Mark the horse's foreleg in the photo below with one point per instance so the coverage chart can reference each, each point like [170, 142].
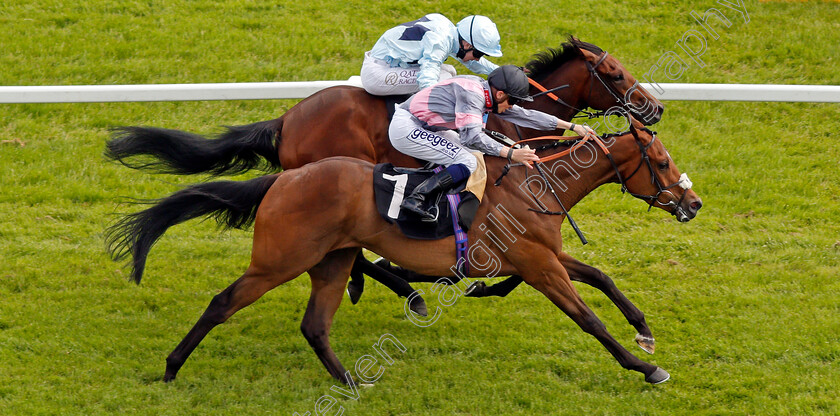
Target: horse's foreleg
[238, 295]
[553, 281]
[380, 271]
[591, 276]
[409, 275]
[328, 280]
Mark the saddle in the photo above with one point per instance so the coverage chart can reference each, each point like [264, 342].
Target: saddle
[392, 184]
[392, 101]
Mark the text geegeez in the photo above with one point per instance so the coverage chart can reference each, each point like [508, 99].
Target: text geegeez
[434, 141]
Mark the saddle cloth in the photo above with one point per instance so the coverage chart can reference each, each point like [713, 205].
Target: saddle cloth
[392, 184]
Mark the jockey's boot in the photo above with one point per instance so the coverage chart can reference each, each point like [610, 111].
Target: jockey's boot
[440, 182]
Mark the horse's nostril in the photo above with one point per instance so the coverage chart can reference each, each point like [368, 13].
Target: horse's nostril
[696, 205]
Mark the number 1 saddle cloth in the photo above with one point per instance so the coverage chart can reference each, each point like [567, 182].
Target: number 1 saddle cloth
[392, 184]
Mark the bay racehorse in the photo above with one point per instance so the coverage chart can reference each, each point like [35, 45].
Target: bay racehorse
[317, 218]
[347, 121]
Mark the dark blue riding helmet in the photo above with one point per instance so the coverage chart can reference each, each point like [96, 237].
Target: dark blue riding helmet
[512, 80]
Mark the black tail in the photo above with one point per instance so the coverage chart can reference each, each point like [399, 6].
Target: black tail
[240, 149]
[232, 204]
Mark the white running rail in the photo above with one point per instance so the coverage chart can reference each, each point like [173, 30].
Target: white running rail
[296, 90]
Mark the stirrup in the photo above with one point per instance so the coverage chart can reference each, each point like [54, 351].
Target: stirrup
[431, 215]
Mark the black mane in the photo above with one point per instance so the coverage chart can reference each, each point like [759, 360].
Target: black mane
[544, 63]
[559, 143]
[644, 129]
[570, 141]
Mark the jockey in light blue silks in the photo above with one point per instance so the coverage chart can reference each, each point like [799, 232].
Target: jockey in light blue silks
[442, 123]
[410, 57]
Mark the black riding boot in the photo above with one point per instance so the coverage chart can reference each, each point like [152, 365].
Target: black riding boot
[440, 182]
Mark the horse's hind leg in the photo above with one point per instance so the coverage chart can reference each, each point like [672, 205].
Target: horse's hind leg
[591, 276]
[238, 295]
[328, 280]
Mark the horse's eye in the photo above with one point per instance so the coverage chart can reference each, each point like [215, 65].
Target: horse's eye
[663, 165]
[619, 77]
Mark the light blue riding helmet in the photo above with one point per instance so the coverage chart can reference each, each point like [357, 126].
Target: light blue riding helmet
[481, 33]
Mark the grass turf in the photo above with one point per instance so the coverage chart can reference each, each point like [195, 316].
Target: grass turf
[742, 300]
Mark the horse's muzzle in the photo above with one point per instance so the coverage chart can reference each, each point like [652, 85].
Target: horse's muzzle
[651, 117]
[687, 210]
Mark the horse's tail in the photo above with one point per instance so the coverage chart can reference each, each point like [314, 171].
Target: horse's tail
[233, 204]
[239, 149]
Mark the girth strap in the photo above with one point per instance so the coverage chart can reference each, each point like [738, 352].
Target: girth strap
[461, 240]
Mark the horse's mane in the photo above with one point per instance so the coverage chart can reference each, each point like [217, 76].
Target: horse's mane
[644, 129]
[554, 145]
[544, 63]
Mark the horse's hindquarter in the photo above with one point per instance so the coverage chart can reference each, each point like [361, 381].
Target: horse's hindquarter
[308, 211]
[338, 121]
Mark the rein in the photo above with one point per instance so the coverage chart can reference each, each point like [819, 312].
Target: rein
[558, 100]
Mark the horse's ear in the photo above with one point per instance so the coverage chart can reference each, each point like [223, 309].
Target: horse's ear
[635, 127]
[578, 47]
[587, 54]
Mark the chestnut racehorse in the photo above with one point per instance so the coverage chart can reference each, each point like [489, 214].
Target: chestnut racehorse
[347, 121]
[317, 218]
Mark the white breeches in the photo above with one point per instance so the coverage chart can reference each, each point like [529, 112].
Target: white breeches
[442, 147]
[379, 78]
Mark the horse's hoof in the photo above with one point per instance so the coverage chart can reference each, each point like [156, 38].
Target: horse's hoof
[646, 343]
[476, 289]
[355, 292]
[658, 377]
[168, 377]
[418, 306]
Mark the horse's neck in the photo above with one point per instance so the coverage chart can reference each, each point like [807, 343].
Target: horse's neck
[574, 176]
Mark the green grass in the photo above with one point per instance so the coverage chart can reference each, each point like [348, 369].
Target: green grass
[743, 300]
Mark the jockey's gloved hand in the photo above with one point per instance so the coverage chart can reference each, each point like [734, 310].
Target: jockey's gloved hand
[583, 130]
[524, 155]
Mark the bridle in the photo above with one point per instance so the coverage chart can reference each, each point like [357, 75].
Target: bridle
[592, 71]
[683, 182]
